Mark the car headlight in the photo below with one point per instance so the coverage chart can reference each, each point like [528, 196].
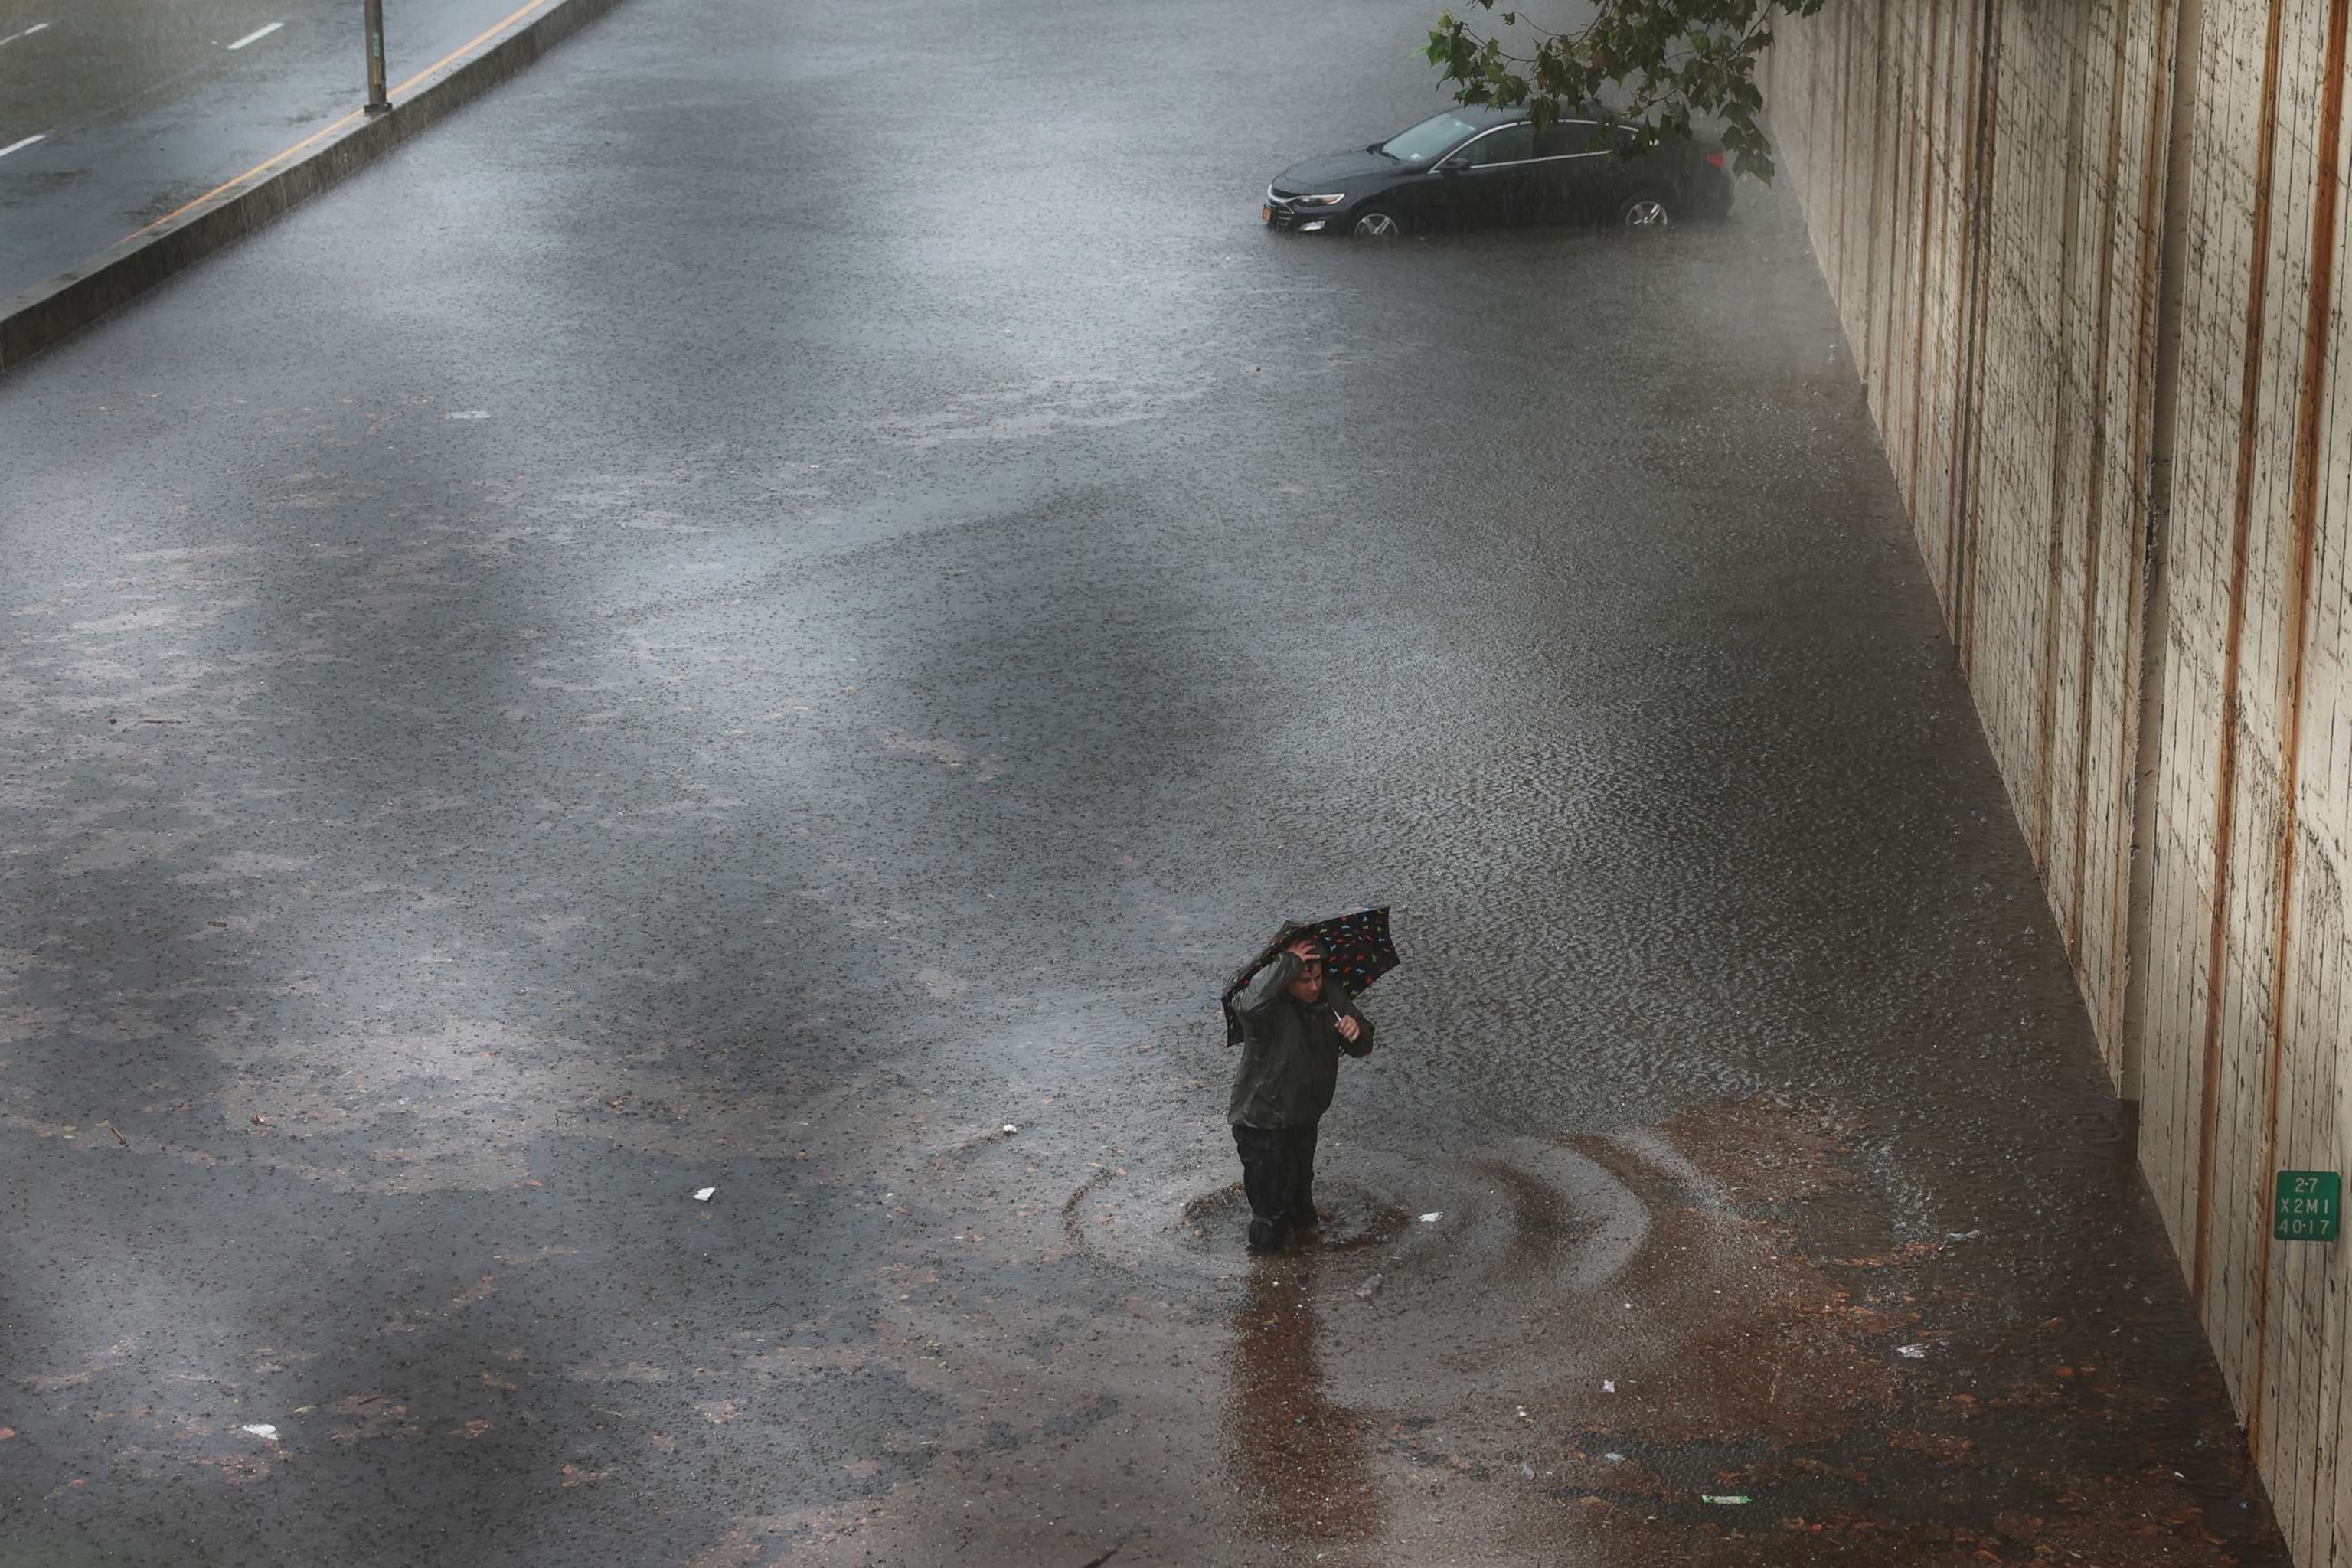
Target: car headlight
[1330, 201]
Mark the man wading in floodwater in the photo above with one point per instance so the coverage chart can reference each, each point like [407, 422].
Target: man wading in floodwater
[1293, 1029]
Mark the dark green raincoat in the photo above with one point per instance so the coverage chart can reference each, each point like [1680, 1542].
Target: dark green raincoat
[1290, 1050]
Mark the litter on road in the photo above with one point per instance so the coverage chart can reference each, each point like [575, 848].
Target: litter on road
[1010, 1129]
[1433, 1216]
[1732, 1501]
[1917, 1353]
[263, 1430]
[1369, 1287]
[702, 1194]
[1608, 1385]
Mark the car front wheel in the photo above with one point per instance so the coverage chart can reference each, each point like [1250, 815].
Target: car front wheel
[1646, 211]
[1374, 224]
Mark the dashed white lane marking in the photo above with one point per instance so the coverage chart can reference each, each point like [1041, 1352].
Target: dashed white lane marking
[20, 146]
[35, 27]
[255, 36]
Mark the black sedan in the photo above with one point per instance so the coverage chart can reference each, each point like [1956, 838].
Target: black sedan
[1468, 167]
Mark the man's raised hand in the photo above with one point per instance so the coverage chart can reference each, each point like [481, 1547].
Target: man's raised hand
[1349, 1028]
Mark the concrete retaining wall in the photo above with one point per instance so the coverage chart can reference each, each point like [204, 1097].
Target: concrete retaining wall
[2091, 259]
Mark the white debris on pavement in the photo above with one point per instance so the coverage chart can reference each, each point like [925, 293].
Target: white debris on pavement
[1433, 1216]
[702, 1194]
[263, 1430]
[1917, 1353]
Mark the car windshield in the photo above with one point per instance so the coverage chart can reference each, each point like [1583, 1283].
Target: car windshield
[1429, 139]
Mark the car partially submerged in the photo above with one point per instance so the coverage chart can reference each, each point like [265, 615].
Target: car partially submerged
[1471, 167]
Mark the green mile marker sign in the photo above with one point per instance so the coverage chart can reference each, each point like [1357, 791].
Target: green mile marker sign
[2310, 1206]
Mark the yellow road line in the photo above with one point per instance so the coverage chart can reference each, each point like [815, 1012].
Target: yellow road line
[493, 32]
[315, 136]
[241, 179]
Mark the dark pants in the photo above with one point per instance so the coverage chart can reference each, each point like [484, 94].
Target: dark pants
[1278, 1175]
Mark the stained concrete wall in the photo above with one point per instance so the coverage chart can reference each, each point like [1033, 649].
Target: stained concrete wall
[2091, 259]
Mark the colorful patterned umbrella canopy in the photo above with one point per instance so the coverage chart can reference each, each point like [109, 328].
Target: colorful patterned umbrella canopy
[1357, 952]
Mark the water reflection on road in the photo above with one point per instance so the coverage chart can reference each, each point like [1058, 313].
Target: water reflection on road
[1298, 1460]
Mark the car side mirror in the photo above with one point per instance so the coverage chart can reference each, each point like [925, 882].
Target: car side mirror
[1451, 167]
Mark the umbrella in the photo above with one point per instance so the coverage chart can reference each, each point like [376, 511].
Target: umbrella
[1357, 949]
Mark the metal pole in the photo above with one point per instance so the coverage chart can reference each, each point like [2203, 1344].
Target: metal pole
[377, 103]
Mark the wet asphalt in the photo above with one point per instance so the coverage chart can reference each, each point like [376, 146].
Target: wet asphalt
[114, 113]
[770, 608]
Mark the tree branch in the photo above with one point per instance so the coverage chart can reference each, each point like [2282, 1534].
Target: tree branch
[1666, 60]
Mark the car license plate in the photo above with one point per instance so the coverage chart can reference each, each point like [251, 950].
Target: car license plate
[1265, 214]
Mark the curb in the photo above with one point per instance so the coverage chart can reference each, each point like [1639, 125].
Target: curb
[46, 314]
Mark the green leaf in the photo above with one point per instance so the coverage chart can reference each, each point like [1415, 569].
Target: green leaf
[1659, 62]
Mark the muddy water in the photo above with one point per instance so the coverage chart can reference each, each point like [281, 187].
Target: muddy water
[1591, 1341]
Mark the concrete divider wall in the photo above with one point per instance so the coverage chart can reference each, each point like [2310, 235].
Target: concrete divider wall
[48, 314]
[2091, 259]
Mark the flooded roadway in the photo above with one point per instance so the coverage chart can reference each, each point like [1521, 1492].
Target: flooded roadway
[787, 594]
